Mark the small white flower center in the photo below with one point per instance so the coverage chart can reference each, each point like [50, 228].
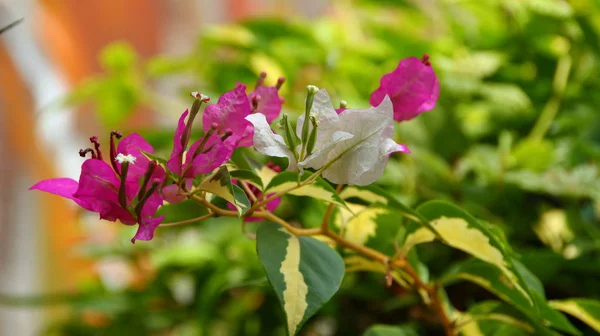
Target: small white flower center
[120, 158]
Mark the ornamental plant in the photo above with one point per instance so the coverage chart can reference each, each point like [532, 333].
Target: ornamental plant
[333, 156]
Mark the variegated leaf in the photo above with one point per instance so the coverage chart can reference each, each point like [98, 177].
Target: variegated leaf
[586, 310]
[372, 194]
[318, 189]
[219, 184]
[460, 230]
[494, 280]
[304, 272]
[248, 176]
[497, 318]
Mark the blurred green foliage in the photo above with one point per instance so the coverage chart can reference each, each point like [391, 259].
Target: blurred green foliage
[515, 139]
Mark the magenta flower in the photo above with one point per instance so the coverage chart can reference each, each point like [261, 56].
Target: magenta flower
[413, 88]
[268, 101]
[204, 155]
[229, 114]
[126, 191]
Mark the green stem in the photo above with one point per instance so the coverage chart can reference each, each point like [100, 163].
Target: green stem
[189, 221]
[550, 111]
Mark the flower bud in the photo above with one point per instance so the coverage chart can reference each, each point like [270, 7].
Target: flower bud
[312, 138]
[113, 149]
[290, 138]
[198, 100]
[310, 96]
[142, 201]
[122, 190]
[147, 175]
[255, 100]
[261, 79]
[227, 134]
[280, 82]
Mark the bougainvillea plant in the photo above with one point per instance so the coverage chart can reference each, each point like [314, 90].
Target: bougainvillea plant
[334, 156]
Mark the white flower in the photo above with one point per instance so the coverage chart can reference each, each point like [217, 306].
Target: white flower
[268, 142]
[352, 147]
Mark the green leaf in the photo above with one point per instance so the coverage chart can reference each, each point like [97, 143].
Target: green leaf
[492, 279]
[586, 310]
[535, 155]
[462, 231]
[153, 157]
[240, 197]
[319, 189]
[549, 316]
[495, 281]
[387, 330]
[303, 271]
[497, 319]
[582, 181]
[118, 56]
[552, 8]
[175, 212]
[219, 184]
[248, 176]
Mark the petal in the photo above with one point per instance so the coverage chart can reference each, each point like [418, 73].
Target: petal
[156, 200]
[99, 188]
[132, 145]
[64, 187]
[146, 228]
[319, 158]
[269, 103]
[176, 160]
[361, 159]
[230, 113]
[412, 86]
[269, 143]
[375, 172]
[219, 154]
[171, 194]
[98, 180]
[152, 204]
[271, 206]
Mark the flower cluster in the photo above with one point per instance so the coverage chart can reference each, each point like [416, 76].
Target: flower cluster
[344, 146]
[124, 190]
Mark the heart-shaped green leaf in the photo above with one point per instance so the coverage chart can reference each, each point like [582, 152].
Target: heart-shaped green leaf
[304, 272]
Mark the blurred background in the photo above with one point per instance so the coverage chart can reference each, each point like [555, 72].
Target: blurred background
[515, 139]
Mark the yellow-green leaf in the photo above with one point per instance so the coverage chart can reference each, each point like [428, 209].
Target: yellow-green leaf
[586, 310]
[460, 230]
[358, 223]
[219, 184]
[288, 182]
